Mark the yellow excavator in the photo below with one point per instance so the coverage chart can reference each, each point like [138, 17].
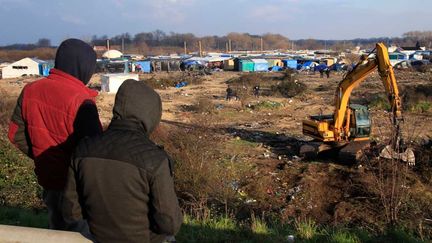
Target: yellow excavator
[348, 129]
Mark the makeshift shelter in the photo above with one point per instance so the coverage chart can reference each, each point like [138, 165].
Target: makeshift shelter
[216, 62]
[168, 65]
[396, 57]
[307, 65]
[23, 67]
[143, 66]
[276, 69]
[246, 65]
[110, 83]
[274, 62]
[111, 54]
[260, 65]
[118, 66]
[290, 63]
[320, 67]
[45, 67]
[228, 65]
[329, 61]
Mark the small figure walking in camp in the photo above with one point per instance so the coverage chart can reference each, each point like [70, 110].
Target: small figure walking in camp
[256, 90]
[327, 72]
[138, 68]
[229, 93]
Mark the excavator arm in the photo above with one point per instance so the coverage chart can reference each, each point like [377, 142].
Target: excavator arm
[338, 131]
[358, 75]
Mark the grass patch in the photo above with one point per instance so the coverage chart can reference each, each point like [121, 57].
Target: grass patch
[23, 217]
[306, 229]
[380, 102]
[341, 236]
[267, 105]
[18, 183]
[422, 107]
[242, 143]
[227, 229]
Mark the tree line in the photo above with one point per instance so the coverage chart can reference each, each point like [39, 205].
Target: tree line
[160, 42]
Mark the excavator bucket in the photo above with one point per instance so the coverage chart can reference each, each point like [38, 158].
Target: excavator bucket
[407, 156]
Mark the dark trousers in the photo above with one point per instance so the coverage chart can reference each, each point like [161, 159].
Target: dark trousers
[53, 200]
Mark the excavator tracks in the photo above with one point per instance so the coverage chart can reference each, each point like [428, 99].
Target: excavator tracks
[347, 154]
[352, 152]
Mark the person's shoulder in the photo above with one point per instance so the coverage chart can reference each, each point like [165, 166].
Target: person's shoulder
[149, 155]
[86, 145]
[37, 83]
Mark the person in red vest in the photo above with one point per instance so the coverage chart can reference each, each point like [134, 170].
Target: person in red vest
[51, 115]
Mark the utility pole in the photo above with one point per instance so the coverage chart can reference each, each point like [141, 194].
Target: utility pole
[108, 47]
[122, 43]
[200, 48]
[185, 47]
[262, 44]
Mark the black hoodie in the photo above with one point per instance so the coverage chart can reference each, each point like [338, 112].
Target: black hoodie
[121, 181]
[137, 102]
[76, 58]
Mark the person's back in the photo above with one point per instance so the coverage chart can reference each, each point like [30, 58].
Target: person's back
[52, 114]
[124, 180]
[58, 99]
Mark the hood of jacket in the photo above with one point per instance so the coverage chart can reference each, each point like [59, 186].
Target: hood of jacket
[77, 58]
[137, 102]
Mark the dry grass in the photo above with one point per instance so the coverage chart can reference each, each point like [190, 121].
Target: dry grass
[205, 179]
[15, 55]
[7, 105]
[172, 79]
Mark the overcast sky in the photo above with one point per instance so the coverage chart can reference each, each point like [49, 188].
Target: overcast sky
[25, 21]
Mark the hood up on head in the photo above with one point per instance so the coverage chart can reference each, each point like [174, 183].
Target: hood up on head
[135, 101]
[77, 58]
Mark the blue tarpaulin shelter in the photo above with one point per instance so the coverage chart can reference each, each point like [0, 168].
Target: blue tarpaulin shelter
[320, 67]
[337, 67]
[276, 69]
[260, 65]
[45, 67]
[290, 63]
[145, 66]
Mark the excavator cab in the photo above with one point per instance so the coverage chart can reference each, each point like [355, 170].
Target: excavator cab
[361, 127]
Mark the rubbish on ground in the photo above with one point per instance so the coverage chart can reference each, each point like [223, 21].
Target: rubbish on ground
[181, 84]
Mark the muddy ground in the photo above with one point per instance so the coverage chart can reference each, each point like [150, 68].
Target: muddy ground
[267, 139]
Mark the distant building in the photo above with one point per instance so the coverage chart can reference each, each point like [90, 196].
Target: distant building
[100, 48]
[26, 66]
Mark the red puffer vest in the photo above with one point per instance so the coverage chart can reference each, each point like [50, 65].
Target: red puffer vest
[49, 109]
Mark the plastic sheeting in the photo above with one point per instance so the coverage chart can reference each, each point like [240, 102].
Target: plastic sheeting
[145, 66]
[320, 67]
[290, 63]
[260, 65]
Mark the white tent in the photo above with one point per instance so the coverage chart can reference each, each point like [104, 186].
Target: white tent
[25, 66]
[111, 82]
[112, 54]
